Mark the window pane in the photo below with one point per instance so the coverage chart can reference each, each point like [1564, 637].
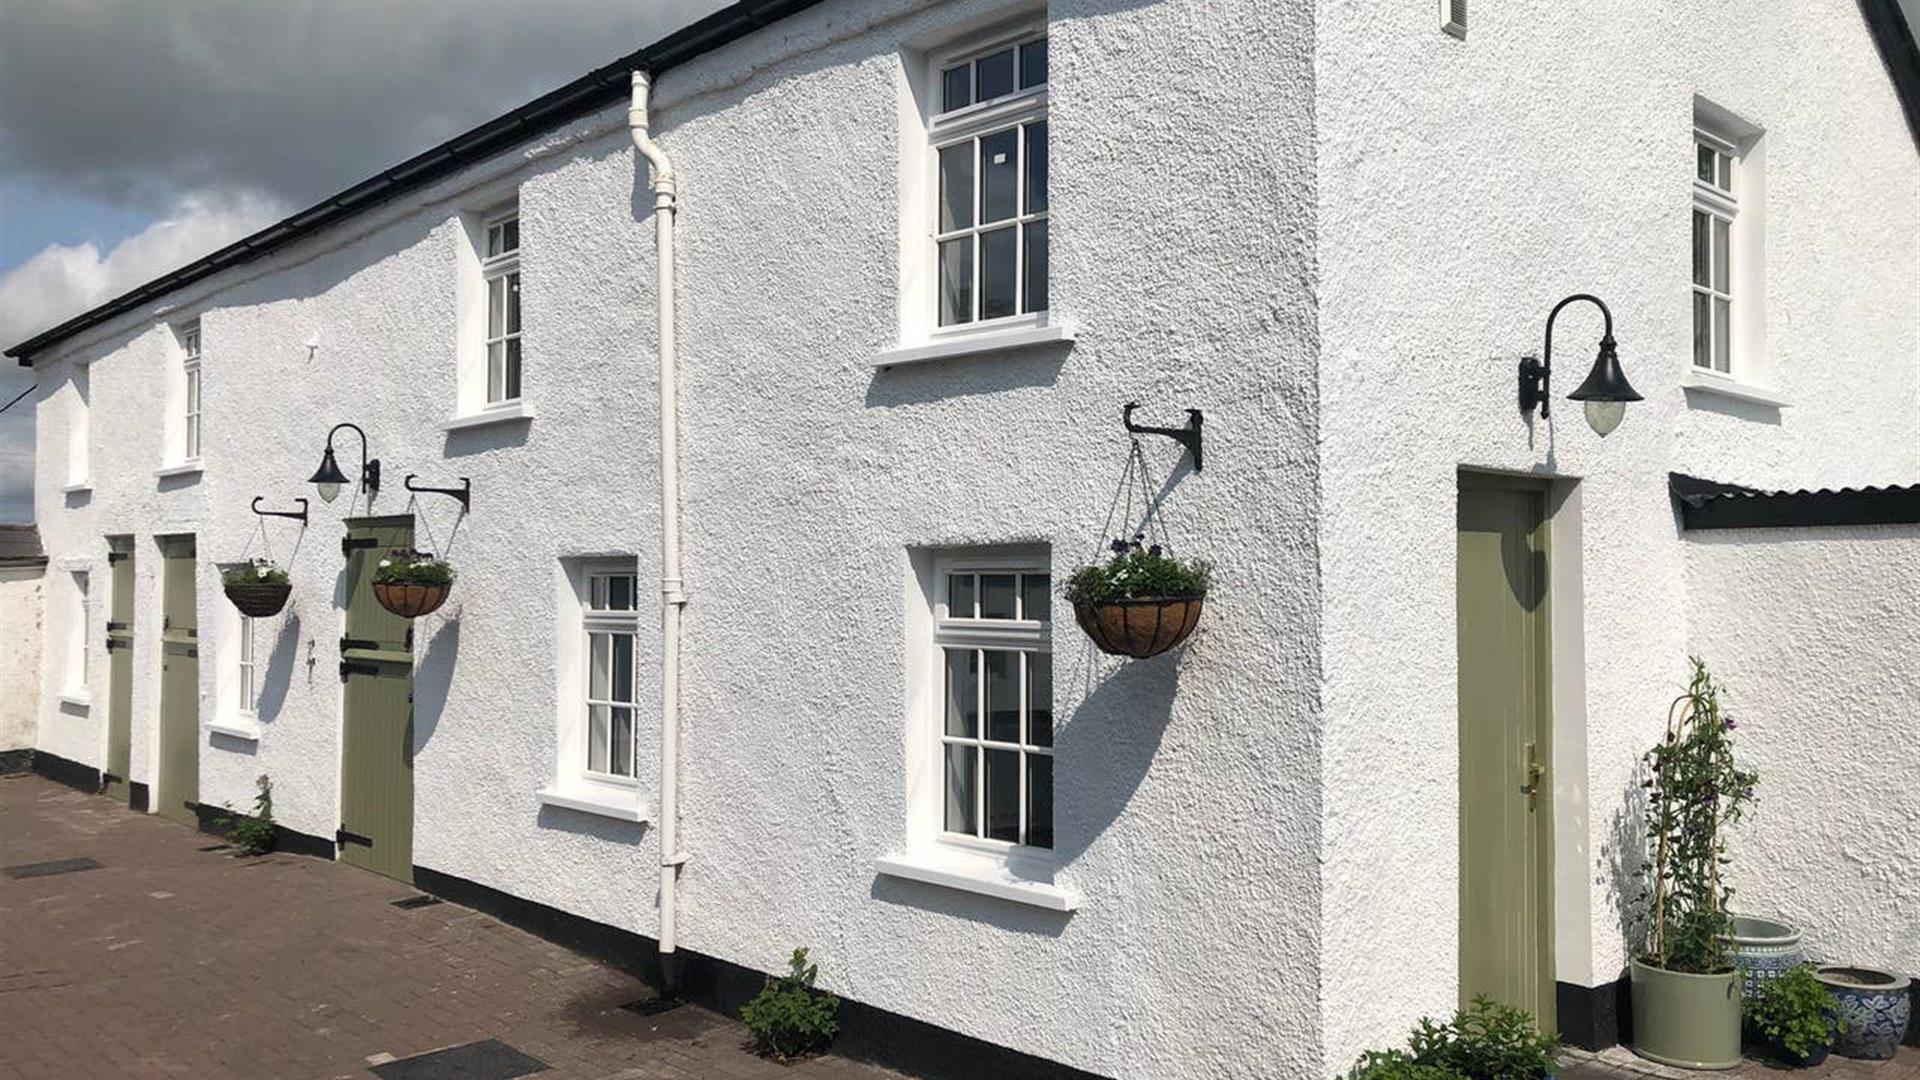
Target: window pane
[1036, 297]
[511, 373]
[956, 88]
[956, 281]
[1039, 699]
[1003, 696]
[1702, 330]
[622, 667]
[510, 235]
[1721, 254]
[999, 272]
[993, 76]
[620, 590]
[1003, 795]
[956, 187]
[960, 771]
[193, 390]
[999, 176]
[496, 305]
[1702, 248]
[1034, 596]
[1036, 167]
[493, 241]
[620, 760]
[1703, 162]
[513, 303]
[960, 596]
[963, 693]
[996, 596]
[496, 370]
[599, 666]
[1033, 64]
[597, 593]
[1039, 800]
[1726, 172]
[1722, 336]
[597, 724]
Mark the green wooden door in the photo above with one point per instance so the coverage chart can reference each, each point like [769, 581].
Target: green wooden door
[1506, 794]
[376, 753]
[177, 786]
[120, 677]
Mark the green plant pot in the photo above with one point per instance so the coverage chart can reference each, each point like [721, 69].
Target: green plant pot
[1692, 1021]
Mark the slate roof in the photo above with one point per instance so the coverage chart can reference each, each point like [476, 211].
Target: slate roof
[1709, 504]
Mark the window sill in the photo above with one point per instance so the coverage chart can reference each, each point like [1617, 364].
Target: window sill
[493, 414]
[591, 799]
[78, 487]
[78, 699]
[986, 875]
[1707, 382]
[185, 468]
[976, 343]
[237, 728]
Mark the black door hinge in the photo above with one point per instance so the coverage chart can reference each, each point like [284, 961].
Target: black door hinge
[341, 838]
[357, 643]
[350, 667]
[351, 544]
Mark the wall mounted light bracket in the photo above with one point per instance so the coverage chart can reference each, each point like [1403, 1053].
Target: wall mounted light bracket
[328, 477]
[1605, 393]
[464, 492]
[1188, 436]
[299, 515]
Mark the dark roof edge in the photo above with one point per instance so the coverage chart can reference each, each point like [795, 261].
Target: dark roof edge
[1898, 50]
[590, 93]
[1706, 504]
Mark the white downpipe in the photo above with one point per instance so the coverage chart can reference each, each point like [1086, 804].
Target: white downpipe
[672, 593]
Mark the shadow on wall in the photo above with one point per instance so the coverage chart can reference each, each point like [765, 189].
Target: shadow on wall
[433, 681]
[1623, 858]
[612, 830]
[273, 690]
[937, 380]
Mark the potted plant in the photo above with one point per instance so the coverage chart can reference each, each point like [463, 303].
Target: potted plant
[412, 583]
[1763, 949]
[1874, 1010]
[1141, 602]
[1795, 1016]
[1686, 1004]
[258, 588]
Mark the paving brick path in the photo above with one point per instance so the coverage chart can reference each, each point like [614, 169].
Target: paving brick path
[172, 961]
[1620, 1063]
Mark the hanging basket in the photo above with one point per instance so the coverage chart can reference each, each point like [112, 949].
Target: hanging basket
[1139, 628]
[258, 599]
[410, 601]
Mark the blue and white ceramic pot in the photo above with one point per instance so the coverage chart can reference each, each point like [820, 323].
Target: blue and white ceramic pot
[1874, 1006]
[1763, 950]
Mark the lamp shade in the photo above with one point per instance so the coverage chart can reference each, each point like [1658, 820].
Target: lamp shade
[1606, 382]
[328, 477]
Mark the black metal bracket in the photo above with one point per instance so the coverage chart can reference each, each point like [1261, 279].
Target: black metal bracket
[351, 544]
[355, 667]
[342, 838]
[1188, 436]
[299, 515]
[464, 492]
[357, 643]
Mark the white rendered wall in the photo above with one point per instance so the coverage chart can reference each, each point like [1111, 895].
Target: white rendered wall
[1816, 635]
[22, 631]
[1465, 186]
[1187, 792]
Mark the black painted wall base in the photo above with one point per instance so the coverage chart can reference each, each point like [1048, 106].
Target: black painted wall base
[16, 761]
[71, 773]
[219, 821]
[866, 1033]
[1594, 1017]
[139, 796]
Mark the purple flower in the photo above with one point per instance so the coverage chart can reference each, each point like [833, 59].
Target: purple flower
[1730, 724]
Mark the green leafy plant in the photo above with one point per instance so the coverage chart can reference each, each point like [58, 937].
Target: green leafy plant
[1137, 573]
[1485, 1041]
[789, 1018]
[1398, 1065]
[413, 568]
[1695, 790]
[1796, 1010]
[253, 834]
[258, 572]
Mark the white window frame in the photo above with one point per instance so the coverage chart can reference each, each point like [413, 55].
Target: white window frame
[505, 269]
[611, 622]
[1719, 205]
[190, 391]
[972, 123]
[576, 786]
[1020, 635]
[246, 668]
[82, 669]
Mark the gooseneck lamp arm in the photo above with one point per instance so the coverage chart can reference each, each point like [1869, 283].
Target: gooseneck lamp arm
[1536, 373]
[329, 476]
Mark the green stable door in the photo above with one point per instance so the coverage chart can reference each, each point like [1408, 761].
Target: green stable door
[177, 779]
[1506, 795]
[376, 753]
[120, 679]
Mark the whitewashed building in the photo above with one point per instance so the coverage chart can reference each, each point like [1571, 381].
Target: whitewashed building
[923, 253]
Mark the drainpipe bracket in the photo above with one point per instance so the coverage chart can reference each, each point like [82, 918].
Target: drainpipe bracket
[678, 858]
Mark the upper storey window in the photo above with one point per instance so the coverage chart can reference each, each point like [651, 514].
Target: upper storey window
[190, 398]
[1716, 209]
[500, 267]
[989, 135]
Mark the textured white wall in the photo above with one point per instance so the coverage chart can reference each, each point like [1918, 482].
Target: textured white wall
[22, 630]
[1816, 634]
[1187, 792]
[1464, 188]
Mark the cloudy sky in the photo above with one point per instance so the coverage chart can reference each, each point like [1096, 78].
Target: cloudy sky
[137, 135]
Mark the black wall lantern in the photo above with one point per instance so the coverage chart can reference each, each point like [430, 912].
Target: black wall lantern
[328, 476]
[1605, 391]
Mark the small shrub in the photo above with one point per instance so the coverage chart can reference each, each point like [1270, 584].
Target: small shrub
[1796, 1010]
[1136, 573]
[789, 1018]
[1486, 1041]
[1398, 1065]
[253, 835]
[253, 573]
[413, 568]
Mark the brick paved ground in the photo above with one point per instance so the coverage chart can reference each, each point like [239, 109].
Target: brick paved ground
[1620, 1063]
[171, 961]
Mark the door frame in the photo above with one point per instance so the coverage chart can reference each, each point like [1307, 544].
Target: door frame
[120, 550]
[348, 525]
[157, 791]
[1551, 497]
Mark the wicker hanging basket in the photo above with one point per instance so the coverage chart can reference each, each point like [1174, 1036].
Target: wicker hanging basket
[259, 599]
[1139, 628]
[410, 601]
